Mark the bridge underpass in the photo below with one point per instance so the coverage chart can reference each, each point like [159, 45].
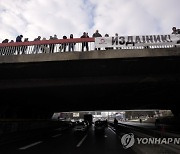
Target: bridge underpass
[36, 86]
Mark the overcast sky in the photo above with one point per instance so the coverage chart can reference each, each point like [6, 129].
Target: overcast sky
[32, 18]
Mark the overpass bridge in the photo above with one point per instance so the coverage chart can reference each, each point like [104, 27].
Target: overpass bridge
[35, 84]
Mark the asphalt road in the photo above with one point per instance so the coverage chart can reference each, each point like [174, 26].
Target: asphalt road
[57, 141]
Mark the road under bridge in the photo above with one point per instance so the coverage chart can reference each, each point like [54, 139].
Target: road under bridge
[37, 85]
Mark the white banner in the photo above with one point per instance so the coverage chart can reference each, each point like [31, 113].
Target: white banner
[136, 41]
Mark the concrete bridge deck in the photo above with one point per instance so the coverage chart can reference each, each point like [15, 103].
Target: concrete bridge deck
[40, 84]
[88, 55]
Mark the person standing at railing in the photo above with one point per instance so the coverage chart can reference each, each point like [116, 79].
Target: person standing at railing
[19, 39]
[5, 41]
[116, 36]
[107, 48]
[24, 48]
[52, 46]
[175, 30]
[54, 38]
[12, 48]
[37, 47]
[85, 44]
[106, 35]
[44, 47]
[63, 45]
[97, 34]
[72, 44]
[4, 49]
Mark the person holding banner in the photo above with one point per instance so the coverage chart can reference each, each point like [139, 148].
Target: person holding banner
[97, 34]
[108, 48]
[175, 31]
[116, 35]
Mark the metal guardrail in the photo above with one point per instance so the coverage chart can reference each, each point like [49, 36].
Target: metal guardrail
[157, 132]
[146, 133]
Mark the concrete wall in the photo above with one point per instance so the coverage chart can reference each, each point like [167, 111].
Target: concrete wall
[100, 54]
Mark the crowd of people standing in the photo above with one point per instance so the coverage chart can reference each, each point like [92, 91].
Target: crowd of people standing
[50, 48]
[43, 48]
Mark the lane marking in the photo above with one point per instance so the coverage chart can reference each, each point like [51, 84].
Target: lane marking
[111, 130]
[30, 145]
[56, 135]
[79, 144]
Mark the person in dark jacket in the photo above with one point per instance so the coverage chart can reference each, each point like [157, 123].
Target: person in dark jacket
[3, 50]
[19, 39]
[5, 41]
[108, 48]
[37, 47]
[71, 45]
[97, 34]
[175, 30]
[85, 44]
[24, 48]
[52, 46]
[63, 45]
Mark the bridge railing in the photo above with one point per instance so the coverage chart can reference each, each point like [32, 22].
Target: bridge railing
[47, 46]
[69, 45]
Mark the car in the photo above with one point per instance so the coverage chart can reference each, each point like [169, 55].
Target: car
[80, 127]
[100, 126]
